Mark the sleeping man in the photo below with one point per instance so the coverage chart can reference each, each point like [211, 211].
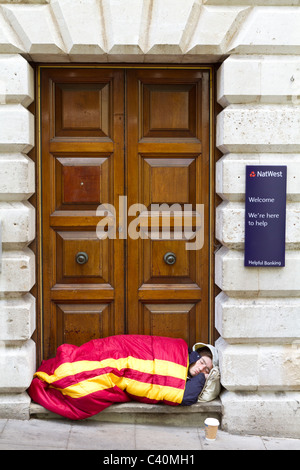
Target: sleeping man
[80, 382]
[200, 365]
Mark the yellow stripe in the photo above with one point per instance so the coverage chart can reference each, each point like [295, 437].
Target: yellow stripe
[157, 366]
[154, 391]
[109, 380]
[81, 389]
[134, 387]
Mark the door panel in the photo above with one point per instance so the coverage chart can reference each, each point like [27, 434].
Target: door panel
[139, 133]
[82, 167]
[79, 323]
[81, 181]
[168, 163]
[81, 258]
[174, 320]
[83, 110]
[169, 109]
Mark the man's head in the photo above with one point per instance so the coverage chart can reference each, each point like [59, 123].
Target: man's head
[199, 347]
[204, 364]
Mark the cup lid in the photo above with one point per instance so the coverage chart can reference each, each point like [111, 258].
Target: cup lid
[211, 422]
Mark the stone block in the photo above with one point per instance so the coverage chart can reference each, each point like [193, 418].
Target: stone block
[252, 2]
[17, 128]
[265, 31]
[16, 80]
[82, 28]
[274, 79]
[17, 364]
[230, 225]
[239, 281]
[258, 128]
[17, 178]
[25, 1]
[18, 271]
[15, 406]
[17, 318]
[262, 413]
[230, 173]
[9, 41]
[125, 26]
[261, 320]
[167, 26]
[264, 367]
[238, 365]
[18, 224]
[42, 39]
[214, 29]
[232, 277]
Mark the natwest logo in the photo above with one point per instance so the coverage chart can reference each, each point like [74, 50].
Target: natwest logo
[265, 173]
[269, 173]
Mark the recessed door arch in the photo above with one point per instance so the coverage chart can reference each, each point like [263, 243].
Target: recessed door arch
[109, 136]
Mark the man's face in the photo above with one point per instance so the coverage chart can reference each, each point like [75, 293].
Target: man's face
[204, 364]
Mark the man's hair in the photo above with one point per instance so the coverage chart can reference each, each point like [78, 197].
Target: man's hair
[205, 352]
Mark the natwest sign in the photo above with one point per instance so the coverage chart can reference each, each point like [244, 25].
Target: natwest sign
[265, 212]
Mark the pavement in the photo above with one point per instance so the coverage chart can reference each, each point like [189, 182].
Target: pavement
[116, 441]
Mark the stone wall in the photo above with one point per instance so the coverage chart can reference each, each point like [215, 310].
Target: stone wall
[17, 216]
[258, 87]
[257, 313]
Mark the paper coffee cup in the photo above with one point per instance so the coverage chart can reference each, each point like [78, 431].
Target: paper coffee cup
[211, 428]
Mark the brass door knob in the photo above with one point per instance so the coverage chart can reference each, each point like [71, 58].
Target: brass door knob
[82, 257]
[170, 258]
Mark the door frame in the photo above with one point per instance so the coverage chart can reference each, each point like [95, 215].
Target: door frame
[36, 200]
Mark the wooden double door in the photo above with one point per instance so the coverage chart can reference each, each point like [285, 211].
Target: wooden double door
[113, 138]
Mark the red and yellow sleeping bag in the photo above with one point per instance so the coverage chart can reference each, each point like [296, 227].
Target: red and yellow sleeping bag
[82, 381]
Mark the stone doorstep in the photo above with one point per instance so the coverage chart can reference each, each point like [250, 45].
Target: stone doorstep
[142, 413]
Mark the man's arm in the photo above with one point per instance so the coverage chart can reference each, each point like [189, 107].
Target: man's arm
[192, 389]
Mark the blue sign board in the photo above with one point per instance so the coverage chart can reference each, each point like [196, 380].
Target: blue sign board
[265, 210]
